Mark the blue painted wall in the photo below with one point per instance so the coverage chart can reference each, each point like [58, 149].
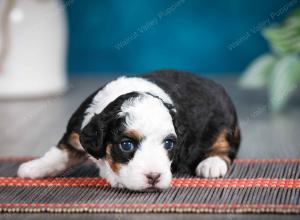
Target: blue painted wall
[220, 36]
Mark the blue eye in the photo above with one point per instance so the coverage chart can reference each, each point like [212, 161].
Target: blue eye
[168, 144]
[127, 145]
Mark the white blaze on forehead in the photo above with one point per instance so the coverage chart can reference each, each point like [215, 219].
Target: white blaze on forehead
[148, 115]
[119, 87]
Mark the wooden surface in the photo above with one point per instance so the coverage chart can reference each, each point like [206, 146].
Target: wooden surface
[29, 128]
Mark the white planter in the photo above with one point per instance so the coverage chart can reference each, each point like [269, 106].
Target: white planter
[34, 62]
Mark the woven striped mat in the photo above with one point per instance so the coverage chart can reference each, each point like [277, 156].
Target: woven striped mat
[251, 186]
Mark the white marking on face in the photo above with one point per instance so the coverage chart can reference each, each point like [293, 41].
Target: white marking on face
[150, 158]
[119, 87]
[212, 167]
[152, 120]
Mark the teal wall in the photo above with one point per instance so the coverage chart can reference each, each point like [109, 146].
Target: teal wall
[109, 36]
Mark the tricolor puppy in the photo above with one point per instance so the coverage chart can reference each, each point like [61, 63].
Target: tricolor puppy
[140, 130]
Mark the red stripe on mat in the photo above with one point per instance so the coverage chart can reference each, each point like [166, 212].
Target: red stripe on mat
[149, 206]
[176, 182]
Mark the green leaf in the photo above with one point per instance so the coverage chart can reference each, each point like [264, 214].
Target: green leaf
[257, 74]
[283, 37]
[284, 81]
[283, 40]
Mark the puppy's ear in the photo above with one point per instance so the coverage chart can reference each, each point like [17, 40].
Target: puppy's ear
[92, 137]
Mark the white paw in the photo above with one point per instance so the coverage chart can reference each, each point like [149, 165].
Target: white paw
[51, 164]
[212, 167]
[34, 169]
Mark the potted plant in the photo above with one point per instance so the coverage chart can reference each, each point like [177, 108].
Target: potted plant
[279, 70]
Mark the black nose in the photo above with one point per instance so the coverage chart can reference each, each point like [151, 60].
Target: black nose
[153, 178]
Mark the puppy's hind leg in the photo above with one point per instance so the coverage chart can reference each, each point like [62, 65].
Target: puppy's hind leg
[54, 162]
[219, 156]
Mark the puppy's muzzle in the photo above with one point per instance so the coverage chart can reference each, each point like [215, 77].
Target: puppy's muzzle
[153, 178]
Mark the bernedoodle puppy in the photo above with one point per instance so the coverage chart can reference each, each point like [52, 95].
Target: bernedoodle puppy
[140, 130]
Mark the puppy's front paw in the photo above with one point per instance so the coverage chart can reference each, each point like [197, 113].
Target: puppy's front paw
[212, 167]
[54, 162]
[33, 169]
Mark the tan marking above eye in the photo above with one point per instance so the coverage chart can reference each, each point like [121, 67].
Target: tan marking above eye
[134, 134]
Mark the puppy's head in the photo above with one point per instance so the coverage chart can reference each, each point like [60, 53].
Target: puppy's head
[134, 139]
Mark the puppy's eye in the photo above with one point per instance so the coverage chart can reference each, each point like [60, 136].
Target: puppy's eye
[127, 145]
[168, 144]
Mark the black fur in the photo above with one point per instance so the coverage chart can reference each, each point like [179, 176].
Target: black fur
[203, 110]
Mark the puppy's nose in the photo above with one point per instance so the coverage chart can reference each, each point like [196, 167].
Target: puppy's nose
[153, 178]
